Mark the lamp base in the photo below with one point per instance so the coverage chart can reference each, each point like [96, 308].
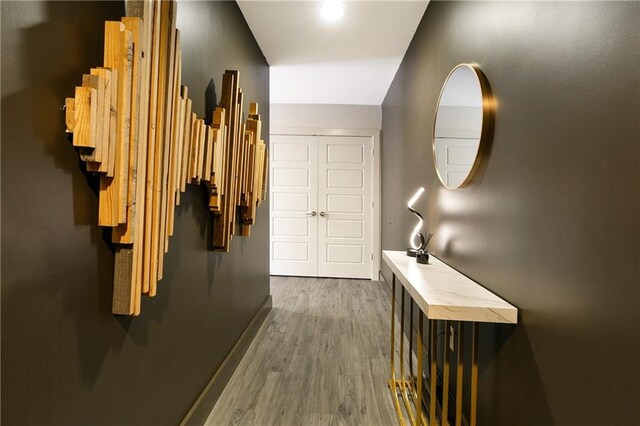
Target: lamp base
[411, 252]
[422, 257]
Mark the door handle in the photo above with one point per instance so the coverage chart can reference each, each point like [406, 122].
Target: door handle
[312, 214]
[323, 214]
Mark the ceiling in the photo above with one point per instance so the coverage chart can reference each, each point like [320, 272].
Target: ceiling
[351, 61]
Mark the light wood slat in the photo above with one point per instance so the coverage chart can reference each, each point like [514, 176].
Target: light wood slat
[193, 147]
[110, 77]
[150, 192]
[128, 259]
[145, 7]
[236, 184]
[200, 153]
[195, 142]
[247, 165]
[224, 155]
[118, 54]
[124, 287]
[105, 120]
[258, 189]
[248, 211]
[107, 212]
[254, 126]
[171, 91]
[203, 153]
[175, 144]
[186, 148]
[242, 137]
[228, 100]
[125, 233]
[167, 38]
[208, 163]
[245, 174]
[240, 140]
[181, 141]
[201, 148]
[215, 159]
[220, 223]
[208, 155]
[248, 140]
[93, 156]
[85, 112]
[248, 214]
[219, 124]
[220, 161]
[179, 148]
[233, 184]
[69, 114]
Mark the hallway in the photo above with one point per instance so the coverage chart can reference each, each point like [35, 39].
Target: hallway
[320, 358]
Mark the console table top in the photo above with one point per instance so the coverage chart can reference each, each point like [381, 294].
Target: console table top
[443, 293]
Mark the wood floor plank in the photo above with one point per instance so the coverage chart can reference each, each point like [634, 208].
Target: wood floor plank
[320, 358]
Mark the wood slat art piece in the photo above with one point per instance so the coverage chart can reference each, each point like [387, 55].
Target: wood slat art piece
[134, 127]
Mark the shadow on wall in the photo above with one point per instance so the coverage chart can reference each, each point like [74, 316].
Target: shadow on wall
[497, 378]
[53, 53]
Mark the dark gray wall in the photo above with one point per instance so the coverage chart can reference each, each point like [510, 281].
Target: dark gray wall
[65, 359]
[551, 222]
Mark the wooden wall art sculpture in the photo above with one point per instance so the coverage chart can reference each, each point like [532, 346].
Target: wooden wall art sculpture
[133, 125]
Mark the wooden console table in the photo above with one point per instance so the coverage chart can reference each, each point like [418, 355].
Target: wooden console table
[441, 294]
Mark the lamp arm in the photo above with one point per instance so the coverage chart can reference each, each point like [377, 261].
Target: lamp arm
[415, 212]
[416, 231]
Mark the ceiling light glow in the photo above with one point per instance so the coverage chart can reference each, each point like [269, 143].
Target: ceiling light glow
[331, 10]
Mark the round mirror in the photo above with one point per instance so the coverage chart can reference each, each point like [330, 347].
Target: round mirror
[463, 125]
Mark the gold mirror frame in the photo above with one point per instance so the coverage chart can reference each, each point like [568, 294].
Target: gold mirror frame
[488, 118]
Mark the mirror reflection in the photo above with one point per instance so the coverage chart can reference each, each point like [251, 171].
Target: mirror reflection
[458, 127]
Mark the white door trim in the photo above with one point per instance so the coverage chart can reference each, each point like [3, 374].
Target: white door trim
[375, 134]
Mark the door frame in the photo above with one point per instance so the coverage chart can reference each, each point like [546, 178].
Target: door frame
[376, 219]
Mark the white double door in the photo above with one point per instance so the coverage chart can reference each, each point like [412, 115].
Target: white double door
[321, 206]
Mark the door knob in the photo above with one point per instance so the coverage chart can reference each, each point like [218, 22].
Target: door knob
[312, 214]
[323, 214]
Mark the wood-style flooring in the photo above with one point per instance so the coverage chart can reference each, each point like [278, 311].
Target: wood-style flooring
[320, 358]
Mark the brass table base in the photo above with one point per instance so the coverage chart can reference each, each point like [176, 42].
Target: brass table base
[407, 390]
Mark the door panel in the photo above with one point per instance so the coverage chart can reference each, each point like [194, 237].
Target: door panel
[344, 196]
[454, 157]
[294, 194]
[348, 204]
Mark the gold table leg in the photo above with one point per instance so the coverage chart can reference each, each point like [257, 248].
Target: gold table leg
[405, 385]
[433, 373]
[393, 383]
[459, 373]
[419, 417]
[474, 373]
[445, 375]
